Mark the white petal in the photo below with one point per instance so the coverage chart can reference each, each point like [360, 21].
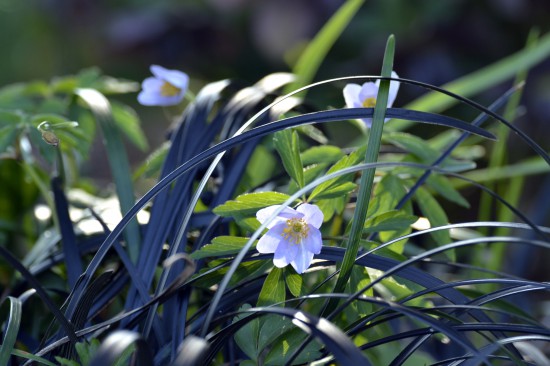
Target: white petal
[174, 77]
[314, 241]
[270, 241]
[312, 214]
[394, 88]
[302, 260]
[149, 98]
[152, 83]
[351, 95]
[285, 253]
[368, 90]
[265, 213]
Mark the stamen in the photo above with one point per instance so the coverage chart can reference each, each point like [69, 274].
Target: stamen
[369, 102]
[296, 229]
[169, 90]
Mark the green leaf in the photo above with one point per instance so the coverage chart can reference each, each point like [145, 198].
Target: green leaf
[8, 135]
[337, 191]
[221, 246]
[274, 289]
[412, 144]
[331, 206]
[287, 145]
[321, 154]
[248, 204]
[286, 344]
[315, 53]
[359, 278]
[437, 217]
[310, 174]
[153, 164]
[345, 162]
[11, 330]
[247, 336]
[389, 221]
[245, 270]
[10, 117]
[128, 122]
[442, 185]
[294, 282]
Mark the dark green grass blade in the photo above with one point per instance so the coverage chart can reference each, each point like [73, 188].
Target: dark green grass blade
[115, 346]
[71, 253]
[118, 161]
[336, 342]
[65, 325]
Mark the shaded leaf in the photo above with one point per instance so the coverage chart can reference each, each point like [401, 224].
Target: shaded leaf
[273, 290]
[248, 204]
[287, 144]
[221, 246]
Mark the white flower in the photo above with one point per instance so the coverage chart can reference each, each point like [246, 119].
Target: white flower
[293, 235]
[364, 96]
[167, 87]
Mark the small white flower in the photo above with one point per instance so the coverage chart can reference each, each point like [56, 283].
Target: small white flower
[293, 235]
[364, 96]
[166, 87]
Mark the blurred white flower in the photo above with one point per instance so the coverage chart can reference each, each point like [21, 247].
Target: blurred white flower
[166, 87]
[293, 235]
[364, 96]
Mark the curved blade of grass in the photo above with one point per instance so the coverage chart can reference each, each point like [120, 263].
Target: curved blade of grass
[316, 51]
[12, 328]
[118, 161]
[70, 249]
[367, 178]
[35, 284]
[115, 346]
[480, 80]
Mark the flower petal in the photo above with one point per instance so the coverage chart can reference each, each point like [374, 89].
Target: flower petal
[174, 77]
[394, 88]
[285, 253]
[152, 84]
[287, 213]
[270, 241]
[314, 241]
[312, 214]
[351, 95]
[368, 90]
[302, 259]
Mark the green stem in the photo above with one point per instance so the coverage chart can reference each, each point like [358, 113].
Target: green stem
[365, 187]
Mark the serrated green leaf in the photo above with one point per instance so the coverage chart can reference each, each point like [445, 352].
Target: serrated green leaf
[245, 270]
[338, 191]
[321, 154]
[274, 289]
[272, 326]
[128, 122]
[287, 145]
[437, 217]
[345, 162]
[310, 174]
[248, 204]
[10, 117]
[331, 206]
[286, 344]
[413, 145]
[394, 220]
[8, 134]
[221, 246]
[294, 282]
[442, 186]
[359, 278]
[247, 336]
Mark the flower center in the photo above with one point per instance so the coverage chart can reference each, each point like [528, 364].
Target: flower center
[296, 229]
[169, 90]
[369, 102]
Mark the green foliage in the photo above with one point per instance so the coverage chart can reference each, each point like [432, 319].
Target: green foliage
[220, 246]
[248, 204]
[287, 145]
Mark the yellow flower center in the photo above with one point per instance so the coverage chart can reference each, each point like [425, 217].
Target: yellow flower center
[296, 229]
[169, 90]
[369, 102]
